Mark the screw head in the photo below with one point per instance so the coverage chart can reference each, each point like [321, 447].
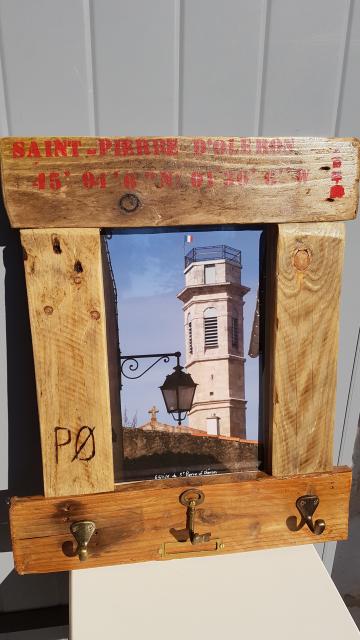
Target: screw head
[129, 202]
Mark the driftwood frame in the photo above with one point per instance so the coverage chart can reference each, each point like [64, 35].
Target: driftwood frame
[61, 193]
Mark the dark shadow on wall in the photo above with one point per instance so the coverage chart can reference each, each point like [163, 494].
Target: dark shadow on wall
[346, 568]
[24, 453]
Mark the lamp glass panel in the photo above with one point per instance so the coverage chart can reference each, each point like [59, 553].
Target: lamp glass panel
[170, 399]
[186, 395]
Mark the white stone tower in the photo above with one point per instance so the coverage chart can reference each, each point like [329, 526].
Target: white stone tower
[214, 338]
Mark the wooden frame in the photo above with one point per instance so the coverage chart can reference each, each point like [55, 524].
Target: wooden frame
[60, 192]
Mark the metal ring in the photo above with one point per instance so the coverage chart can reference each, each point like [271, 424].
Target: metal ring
[192, 495]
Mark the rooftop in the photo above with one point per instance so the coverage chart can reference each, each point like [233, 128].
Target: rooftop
[216, 252]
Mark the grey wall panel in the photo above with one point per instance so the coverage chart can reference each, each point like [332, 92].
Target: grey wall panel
[44, 67]
[348, 120]
[221, 63]
[304, 66]
[45, 88]
[135, 54]
[344, 558]
[349, 328]
[4, 128]
[193, 67]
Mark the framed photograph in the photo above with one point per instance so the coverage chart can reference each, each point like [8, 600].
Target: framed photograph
[192, 297]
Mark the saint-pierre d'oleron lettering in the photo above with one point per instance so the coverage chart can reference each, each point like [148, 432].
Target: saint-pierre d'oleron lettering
[169, 148]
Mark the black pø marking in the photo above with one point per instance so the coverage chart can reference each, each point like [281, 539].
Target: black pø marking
[79, 448]
[59, 443]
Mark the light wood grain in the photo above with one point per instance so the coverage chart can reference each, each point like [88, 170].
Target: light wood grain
[177, 181]
[303, 345]
[134, 521]
[67, 312]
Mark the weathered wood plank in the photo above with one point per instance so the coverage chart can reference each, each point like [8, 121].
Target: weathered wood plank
[67, 313]
[133, 522]
[137, 182]
[302, 350]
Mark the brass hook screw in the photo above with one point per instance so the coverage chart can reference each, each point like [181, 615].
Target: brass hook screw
[82, 532]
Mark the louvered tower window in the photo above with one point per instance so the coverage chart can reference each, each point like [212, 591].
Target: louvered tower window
[235, 333]
[210, 328]
[190, 334]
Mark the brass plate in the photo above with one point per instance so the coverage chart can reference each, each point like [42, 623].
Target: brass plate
[173, 549]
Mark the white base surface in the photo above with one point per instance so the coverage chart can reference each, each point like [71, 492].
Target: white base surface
[282, 594]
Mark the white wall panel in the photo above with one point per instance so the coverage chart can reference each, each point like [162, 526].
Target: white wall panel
[304, 65]
[221, 62]
[135, 53]
[44, 67]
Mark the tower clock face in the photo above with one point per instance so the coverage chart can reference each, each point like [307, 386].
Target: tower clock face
[188, 318]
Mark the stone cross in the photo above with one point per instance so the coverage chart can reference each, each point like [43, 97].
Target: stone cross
[153, 411]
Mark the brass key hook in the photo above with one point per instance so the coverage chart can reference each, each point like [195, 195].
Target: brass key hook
[307, 506]
[191, 499]
[82, 532]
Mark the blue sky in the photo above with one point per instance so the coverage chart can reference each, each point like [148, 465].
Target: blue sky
[148, 269]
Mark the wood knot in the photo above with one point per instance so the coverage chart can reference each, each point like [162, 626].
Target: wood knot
[302, 259]
[95, 315]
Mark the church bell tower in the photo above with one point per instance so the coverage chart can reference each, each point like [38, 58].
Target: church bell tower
[214, 337]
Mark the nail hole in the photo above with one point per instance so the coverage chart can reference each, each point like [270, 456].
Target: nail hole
[78, 267]
[326, 168]
[56, 245]
[48, 310]
[330, 199]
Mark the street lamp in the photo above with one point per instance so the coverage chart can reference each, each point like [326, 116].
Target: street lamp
[178, 389]
[178, 392]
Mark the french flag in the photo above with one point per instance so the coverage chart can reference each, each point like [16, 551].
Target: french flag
[188, 239]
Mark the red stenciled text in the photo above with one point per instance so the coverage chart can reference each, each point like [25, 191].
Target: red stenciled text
[70, 148]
